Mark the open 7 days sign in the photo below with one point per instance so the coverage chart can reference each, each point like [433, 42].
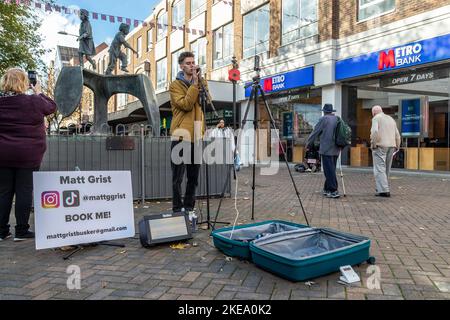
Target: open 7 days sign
[82, 207]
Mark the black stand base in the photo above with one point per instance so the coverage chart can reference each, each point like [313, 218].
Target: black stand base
[82, 246]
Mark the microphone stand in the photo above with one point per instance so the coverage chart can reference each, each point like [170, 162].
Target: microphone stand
[204, 97]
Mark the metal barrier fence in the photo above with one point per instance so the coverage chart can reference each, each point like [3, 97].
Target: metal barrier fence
[147, 157]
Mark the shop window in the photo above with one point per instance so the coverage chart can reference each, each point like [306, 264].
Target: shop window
[223, 46]
[161, 26]
[256, 31]
[149, 40]
[368, 9]
[122, 101]
[175, 65]
[161, 74]
[178, 14]
[139, 47]
[197, 7]
[199, 50]
[299, 20]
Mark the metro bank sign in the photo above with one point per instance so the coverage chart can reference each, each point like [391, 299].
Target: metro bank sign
[402, 56]
[285, 81]
[411, 54]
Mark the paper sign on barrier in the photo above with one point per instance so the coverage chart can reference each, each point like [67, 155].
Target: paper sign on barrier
[79, 207]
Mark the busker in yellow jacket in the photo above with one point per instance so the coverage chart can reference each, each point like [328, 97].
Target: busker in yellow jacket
[187, 128]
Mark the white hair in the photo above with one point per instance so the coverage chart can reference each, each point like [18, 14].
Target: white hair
[376, 110]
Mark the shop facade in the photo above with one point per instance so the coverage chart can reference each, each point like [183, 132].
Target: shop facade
[411, 81]
[295, 104]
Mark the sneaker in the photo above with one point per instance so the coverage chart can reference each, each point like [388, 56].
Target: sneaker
[333, 195]
[26, 236]
[383, 194]
[124, 69]
[325, 192]
[7, 236]
[191, 214]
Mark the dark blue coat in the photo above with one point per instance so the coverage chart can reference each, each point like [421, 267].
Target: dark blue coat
[324, 133]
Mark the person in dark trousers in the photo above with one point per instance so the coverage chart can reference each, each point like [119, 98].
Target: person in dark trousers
[187, 128]
[22, 145]
[329, 151]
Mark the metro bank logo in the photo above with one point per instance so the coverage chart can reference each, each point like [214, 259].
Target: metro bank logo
[275, 83]
[401, 56]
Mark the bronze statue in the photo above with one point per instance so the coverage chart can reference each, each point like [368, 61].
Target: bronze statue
[87, 47]
[115, 51]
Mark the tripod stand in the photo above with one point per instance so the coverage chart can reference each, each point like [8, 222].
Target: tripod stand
[203, 101]
[80, 247]
[256, 91]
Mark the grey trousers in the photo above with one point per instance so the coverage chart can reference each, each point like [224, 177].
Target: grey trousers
[382, 162]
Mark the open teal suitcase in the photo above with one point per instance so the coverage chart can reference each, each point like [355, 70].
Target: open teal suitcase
[238, 244]
[309, 253]
[292, 251]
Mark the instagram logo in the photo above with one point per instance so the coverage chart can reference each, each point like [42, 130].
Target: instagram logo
[50, 200]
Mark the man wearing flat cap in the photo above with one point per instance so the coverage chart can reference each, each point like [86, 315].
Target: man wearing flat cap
[329, 151]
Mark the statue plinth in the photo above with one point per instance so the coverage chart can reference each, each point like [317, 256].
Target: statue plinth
[69, 91]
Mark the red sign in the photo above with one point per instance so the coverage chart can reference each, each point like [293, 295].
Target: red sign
[386, 60]
[268, 85]
[234, 75]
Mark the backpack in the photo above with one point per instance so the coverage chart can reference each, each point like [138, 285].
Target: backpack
[342, 134]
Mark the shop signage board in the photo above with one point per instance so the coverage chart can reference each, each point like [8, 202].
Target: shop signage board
[79, 207]
[288, 125]
[388, 59]
[416, 76]
[285, 81]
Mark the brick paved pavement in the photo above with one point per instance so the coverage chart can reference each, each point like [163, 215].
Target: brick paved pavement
[410, 234]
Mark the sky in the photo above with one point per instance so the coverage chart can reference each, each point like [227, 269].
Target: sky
[103, 31]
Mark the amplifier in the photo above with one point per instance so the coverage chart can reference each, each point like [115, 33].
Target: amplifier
[163, 228]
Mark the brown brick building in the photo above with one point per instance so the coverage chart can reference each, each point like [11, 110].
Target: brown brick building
[312, 52]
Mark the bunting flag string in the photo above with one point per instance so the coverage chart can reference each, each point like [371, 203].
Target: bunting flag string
[49, 8]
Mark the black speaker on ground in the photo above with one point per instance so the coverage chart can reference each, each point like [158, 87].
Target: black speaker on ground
[164, 228]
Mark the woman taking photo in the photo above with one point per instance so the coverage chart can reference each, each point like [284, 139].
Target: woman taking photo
[22, 147]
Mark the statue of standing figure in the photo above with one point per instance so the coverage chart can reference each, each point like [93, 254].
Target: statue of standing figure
[115, 51]
[87, 47]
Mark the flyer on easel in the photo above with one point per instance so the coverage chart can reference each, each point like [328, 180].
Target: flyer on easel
[77, 207]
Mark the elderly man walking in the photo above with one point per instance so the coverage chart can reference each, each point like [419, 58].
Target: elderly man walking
[329, 151]
[385, 139]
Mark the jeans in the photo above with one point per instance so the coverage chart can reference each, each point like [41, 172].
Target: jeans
[192, 171]
[18, 182]
[329, 169]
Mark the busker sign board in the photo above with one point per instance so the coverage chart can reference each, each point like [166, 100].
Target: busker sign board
[82, 207]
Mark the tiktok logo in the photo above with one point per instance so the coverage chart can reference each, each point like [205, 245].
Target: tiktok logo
[71, 199]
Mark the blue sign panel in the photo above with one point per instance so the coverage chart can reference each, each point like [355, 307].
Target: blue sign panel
[290, 80]
[411, 118]
[288, 125]
[412, 54]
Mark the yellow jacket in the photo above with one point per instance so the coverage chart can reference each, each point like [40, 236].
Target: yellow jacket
[186, 110]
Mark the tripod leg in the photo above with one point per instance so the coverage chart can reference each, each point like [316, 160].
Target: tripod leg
[272, 120]
[244, 121]
[255, 150]
[222, 195]
[67, 257]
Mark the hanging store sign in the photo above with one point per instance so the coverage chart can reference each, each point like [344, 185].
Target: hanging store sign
[411, 117]
[408, 55]
[412, 77]
[285, 81]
